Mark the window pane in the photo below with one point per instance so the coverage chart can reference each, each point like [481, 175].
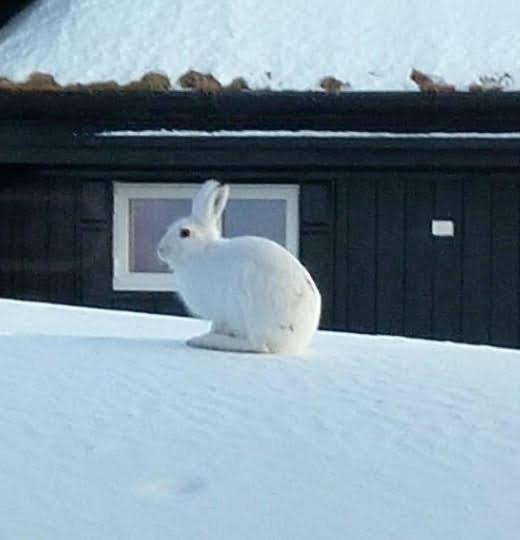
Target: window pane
[149, 219]
[266, 217]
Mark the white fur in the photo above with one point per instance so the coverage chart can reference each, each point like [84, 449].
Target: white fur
[257, 295]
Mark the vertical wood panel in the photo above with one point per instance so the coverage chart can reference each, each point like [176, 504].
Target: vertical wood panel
[96, 268]
[316, 204]
[476, 261]
[30, 239]
[505, 267]
[362, 255]
[447, 261]
[6, 219]
[96, 244]
[316, 247]
[16, 252]
[390, 255]
[63, 255]
[94, 201]
[341, 277]
[35, 241]
[316, 255]
[418, 279]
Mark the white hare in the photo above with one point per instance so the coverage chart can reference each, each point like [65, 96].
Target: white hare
[257, 295]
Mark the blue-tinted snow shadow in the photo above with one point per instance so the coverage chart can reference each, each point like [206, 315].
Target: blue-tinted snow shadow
[41, 344]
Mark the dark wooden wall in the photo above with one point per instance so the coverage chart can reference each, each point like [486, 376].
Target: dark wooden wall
[38, 241]
[400, 279]
[366, 203]
[365, 236]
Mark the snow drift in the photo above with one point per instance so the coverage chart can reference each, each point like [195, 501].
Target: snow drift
[112, 428]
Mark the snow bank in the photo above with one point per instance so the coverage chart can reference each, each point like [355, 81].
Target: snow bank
[112, 428]
[281, 45]
[28, 318]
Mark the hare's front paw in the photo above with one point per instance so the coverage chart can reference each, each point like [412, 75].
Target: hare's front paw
[200, 342]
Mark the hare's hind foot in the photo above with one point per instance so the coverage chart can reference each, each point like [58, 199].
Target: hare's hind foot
[224, 342]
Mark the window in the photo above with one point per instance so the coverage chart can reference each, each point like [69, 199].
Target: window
[143, 212]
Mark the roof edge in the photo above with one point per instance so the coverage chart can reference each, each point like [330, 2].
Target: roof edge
[401, 112]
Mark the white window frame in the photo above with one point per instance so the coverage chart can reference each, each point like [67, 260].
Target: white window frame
[125, 280]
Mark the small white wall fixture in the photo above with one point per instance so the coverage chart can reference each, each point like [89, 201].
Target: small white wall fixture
[443, 228]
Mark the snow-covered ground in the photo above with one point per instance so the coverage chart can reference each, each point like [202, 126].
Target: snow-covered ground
[111, 428]
[279, 45]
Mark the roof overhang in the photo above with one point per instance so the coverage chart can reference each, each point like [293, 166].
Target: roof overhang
[402, 112]
[62, 129]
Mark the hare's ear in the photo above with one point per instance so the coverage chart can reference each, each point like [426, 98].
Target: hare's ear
[219, 202]
[209, 202]
[202, 201]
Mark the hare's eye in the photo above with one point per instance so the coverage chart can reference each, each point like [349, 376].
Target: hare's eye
[184, 233]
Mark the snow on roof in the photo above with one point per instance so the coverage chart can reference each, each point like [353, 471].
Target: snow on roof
[307, 134]
[113, 428]
[373, 44]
